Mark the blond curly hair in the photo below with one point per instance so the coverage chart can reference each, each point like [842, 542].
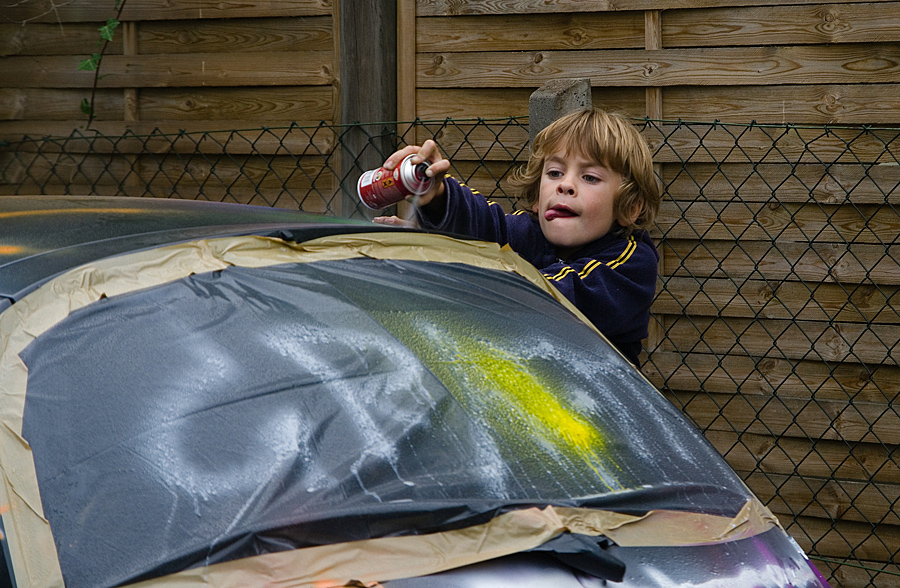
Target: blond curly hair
[610, 140]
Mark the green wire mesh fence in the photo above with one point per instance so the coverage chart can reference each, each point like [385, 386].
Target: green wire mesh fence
[776, 323]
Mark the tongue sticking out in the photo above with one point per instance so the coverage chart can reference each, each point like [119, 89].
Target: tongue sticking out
[554, 213]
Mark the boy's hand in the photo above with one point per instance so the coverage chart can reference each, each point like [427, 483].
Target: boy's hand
[438, 168]
[395, 221]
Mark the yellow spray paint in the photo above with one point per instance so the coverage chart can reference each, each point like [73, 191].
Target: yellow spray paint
[547, 416]
[504, 390]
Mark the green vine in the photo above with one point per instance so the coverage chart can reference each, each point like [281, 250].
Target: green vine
[92, 63]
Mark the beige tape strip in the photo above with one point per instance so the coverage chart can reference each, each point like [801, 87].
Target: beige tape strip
[30, 539]
[391, 558]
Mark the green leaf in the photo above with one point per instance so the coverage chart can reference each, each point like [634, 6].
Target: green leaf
[86, 106]
[106, 31]
[91, 63]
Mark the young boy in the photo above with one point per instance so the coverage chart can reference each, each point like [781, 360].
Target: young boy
[590, 196]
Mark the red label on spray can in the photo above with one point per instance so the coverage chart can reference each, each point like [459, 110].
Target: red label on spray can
[379, 188]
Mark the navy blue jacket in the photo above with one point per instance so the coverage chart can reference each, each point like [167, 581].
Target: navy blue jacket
[611, 280]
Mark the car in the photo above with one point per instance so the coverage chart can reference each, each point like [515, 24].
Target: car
[232, 395]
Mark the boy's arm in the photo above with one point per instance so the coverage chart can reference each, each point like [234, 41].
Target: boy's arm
[464, 211]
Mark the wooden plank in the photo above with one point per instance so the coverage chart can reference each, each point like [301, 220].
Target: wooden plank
[799, 104]
[41, 105]
[825, 184]
[699, 142]
[407, 93]
[337, 56]
[313, 201]
[721, 66]
[817, 262]
[653, 32]
[309, 68]
[130, 47]
[859, 573]
[790, 24]
[407, 32]
[51, 11]
[790, 417]
[270, 106]
[822, 458]
[653, 109]
[436, 104]
[803, 379]
[784, 222]
[463, 103]
[531, 32]
[764, 145]
[824, 538]
[231, 35]
[307, 190]
[502, 140]
[238, 137]
[368, 90]
[815, 340]
[778, 299]
[653, 41]
[826, 498]
[489, 178]
[56, 173]
[301, 198]
[52, 39]
[461, 7]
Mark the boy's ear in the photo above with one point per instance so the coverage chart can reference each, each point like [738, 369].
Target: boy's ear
[534, 208]
[635, 213]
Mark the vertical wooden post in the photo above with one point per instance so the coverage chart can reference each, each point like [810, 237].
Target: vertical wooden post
[653, 42]
[132, 185]
[654, 110]
[368, 62]
[335, 159]
[406, 60]
[406, 78]
[129, 47]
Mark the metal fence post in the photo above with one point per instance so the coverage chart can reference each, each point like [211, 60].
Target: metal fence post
[554, 99]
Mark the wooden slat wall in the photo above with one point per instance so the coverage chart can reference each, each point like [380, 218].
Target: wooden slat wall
[810, 62]
[179, 66]
[776, 323]
[776, 327]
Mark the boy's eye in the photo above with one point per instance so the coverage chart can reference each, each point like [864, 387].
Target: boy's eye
[591, 179]
[553, 173]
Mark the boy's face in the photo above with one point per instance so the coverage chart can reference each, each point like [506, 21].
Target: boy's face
[575, 205]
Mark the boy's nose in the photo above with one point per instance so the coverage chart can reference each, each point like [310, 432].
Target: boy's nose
[565, 187]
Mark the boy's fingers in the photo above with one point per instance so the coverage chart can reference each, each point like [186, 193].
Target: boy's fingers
[398, 156]
[393, 220]
[439, 167]
[429, 151]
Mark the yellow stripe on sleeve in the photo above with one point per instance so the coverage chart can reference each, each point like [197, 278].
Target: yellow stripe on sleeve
[630, 248]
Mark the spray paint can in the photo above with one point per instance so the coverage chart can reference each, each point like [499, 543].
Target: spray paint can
[379, 188]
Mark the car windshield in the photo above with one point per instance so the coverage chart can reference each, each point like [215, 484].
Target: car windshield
[252, 410]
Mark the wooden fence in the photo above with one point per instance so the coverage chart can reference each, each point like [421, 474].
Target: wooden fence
[776, 324]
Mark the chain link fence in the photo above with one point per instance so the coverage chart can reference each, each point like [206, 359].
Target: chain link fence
[775, 327]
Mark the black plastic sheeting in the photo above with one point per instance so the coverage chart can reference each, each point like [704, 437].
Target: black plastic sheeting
[250, 411]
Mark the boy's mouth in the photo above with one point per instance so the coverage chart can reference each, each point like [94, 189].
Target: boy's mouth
[558, 211]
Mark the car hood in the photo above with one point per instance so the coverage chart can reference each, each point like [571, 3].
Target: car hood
[372, 406]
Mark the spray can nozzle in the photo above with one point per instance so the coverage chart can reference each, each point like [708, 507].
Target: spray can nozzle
[420, 171]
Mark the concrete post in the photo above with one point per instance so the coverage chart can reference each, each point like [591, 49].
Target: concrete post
[554, 99]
